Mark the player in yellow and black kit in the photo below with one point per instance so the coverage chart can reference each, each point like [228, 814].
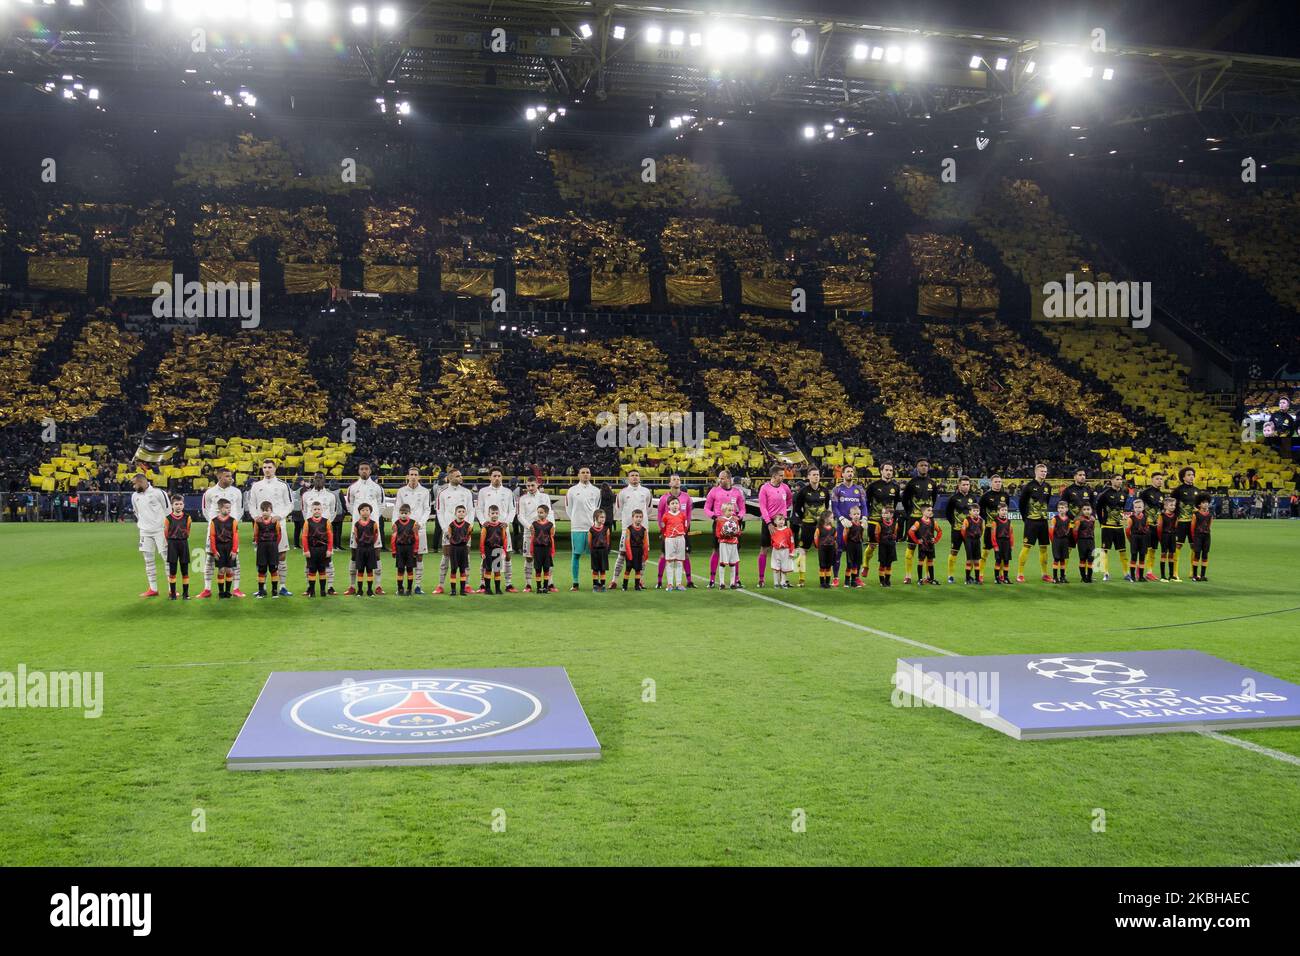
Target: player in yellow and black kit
[1153, 500]
[993, 499]
[1079, 494]
[811, 500]
[1111, 501]
[882, 497]
[920, 492]
[955, 512]
[1189, 499]
[1035, 509]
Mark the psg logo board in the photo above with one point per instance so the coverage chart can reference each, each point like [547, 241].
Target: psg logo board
[319, 719]
[1038, 696]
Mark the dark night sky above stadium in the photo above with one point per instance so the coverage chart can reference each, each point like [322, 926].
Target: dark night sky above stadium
[1241, 26]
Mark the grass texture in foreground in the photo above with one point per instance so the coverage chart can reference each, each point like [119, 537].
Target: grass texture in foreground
[761, 713]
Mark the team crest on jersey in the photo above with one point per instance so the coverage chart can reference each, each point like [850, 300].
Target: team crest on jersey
[416, 710]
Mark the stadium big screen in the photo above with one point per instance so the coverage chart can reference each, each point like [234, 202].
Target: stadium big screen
[587, 434]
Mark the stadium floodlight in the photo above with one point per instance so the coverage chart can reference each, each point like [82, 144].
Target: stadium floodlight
[153, 6]
[550, 117]
[801, 46]
[1029, 68]
[765, 44]
[285, 11]
[316, 13]
[809, 132]
[68, 94]
[359, 16]
[893, 54]
[76, 3]
[877, 52]
[860, 51]
[914, 57]
[238, 9]
[975, 61]
[388, 16]
[654, 34]
[585, 30]
[1066, 71]
[404, 108]
[620, 31]
[676, 37]
[530, 113]
[1108, 74]
[1000, 63]
[696, 39]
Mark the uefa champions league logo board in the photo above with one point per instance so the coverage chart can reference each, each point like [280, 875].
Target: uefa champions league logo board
[1032, 697]
[316, 719]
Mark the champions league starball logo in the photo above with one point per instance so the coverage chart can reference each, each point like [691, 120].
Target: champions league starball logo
[420, 710]
[1086, 670]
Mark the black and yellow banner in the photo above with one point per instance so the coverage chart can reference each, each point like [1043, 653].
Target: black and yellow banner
[620, 290]
[58, 273]
[392, 279]
[303, 277]
[137, 277]
[467, 281]
[847, 295]
[541, 284]
[694, 290]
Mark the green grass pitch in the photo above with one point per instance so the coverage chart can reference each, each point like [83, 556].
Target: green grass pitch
[760, 711]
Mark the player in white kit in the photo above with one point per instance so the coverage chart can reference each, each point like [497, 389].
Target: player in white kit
[417, 496]
[633, 496]
[497, 494]
[329, 509]
[452, 496]
[277, 492]
[365, 491]
[150, 506]
[528, 502]
[224, 488]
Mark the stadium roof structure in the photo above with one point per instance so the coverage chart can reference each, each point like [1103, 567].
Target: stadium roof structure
[634, 59]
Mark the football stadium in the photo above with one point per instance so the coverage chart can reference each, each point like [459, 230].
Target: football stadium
[918, 379]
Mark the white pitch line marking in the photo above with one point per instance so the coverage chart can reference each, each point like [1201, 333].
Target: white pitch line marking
[1248, 745]
[860, 627]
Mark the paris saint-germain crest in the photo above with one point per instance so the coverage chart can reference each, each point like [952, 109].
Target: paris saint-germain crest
[416, 710]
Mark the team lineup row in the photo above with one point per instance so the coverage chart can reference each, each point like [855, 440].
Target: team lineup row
[847, 526]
